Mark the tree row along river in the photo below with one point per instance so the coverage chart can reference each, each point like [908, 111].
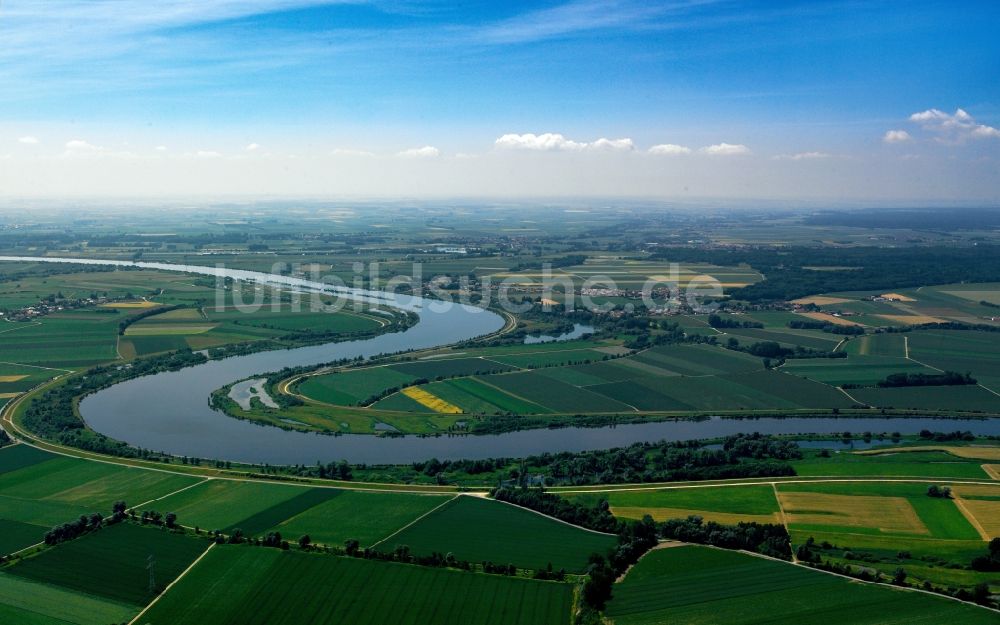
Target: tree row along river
[169, 411]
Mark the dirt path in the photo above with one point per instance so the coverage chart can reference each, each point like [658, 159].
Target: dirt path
[960, 504]
[416, 520]
[171, 585]
[781, 507]
[663, 544]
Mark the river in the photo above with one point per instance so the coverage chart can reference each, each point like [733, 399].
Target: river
[169, 411]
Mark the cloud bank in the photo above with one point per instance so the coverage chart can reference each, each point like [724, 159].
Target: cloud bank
[555, 142]
[725, 149]
[428, 151]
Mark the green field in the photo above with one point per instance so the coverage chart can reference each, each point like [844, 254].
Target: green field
[15, 535]
[111, 563]
[916, 464]
[24, 602]
[481, 530]
[269, 587]
[16, 457]
[352, 386]
[39, 490]
[861, 370]
[967, 398]
[699, 585]
[356, 515]
[228, 504]
[205, 327]
[19, 378]
[64, 340]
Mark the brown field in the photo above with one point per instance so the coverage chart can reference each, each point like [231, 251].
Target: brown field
[11, 378]
[985, 452]
[983, 514]
[662, 514]
[142, 304]
[887, 514]
[180, 313]
[820, 300]
[976, 490]
[167, 329]
[614, 350]
[898, 296]
[993, 470]
[840, 321]
[8, 395]
[912, 320]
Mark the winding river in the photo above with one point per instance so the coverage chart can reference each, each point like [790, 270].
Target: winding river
[169, 411]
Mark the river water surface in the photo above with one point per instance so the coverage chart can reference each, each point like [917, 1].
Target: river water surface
[169, 411]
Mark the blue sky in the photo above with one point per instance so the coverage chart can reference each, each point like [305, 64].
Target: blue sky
[294, 83]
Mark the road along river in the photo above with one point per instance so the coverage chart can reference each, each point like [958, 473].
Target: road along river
[169, 411]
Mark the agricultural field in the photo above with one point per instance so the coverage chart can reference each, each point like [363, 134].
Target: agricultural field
[723, 504]
[26, 602]
[356, 515]
[690, 584]
[327, 515]
[16, 379]
[873, 508]
[105, 570]
[911, 306]
[39, 490]
[920, 463]
[266, 586]
[227, 504]
[65, 340]
[888, 525]
[480, 530]
[211, 326]
[937, 398]
[632, 274]
[669, 379]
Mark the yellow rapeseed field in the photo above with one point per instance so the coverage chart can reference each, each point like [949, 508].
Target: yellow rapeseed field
[430, 400]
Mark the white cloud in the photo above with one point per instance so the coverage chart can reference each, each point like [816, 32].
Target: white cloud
[29, 140]
[555, 142]
[81, 148]
[985, 131]
[725, 149]
[160, 148]
[801, 156]
[624, 144]
[669, 149]
[428, 151]
[956, 127]
[896, 136]
[253, 147]
[207, 154]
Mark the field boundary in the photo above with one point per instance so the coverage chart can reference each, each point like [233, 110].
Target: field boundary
[971, 518]
[416, 520]
[781, 508]
[854, 579]
[181, 490]
[542, 514]
[818, 480]
[171, 585]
